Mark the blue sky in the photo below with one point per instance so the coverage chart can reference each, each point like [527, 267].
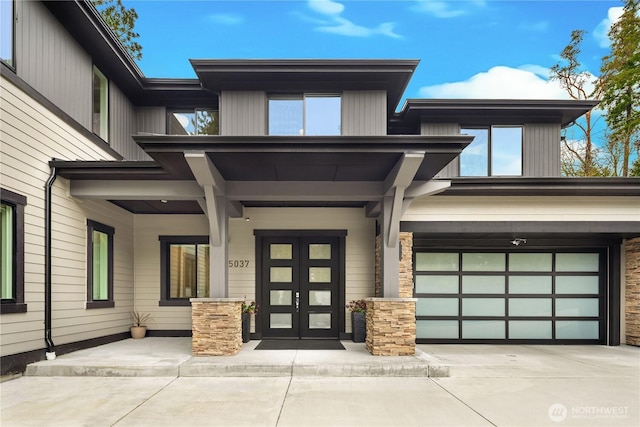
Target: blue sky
[467, 48]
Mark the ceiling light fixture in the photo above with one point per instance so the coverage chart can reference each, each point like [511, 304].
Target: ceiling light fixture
[518, 241]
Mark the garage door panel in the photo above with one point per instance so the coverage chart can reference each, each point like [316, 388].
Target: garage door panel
[499, 296]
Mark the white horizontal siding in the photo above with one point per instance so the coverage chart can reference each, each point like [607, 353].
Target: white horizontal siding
[30, 136]
[458, 208]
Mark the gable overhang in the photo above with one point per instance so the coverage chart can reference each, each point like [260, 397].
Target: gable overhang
[307, 75]
[325, 171]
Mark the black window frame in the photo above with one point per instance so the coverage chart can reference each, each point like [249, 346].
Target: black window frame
[18, 202]
[110, 232]
[12, 64]
[165, 253]
[489, 129]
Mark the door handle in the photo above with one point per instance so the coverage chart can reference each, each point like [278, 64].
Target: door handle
[297, 301]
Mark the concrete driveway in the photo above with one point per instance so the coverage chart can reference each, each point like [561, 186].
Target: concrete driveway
[488, 385]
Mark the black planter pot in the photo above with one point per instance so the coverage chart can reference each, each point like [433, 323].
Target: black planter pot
[246, 327]
[359, 326]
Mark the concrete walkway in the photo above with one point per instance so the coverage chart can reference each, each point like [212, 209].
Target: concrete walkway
[487, 385]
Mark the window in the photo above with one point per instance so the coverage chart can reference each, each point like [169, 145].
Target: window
[193, 122]
[12, 252]
[184, 265]
[305, 115]
[6, 32]
[494, 151]
[99, 265]
[100, 124]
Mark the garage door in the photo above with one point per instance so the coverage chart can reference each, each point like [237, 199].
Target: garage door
[515, 297]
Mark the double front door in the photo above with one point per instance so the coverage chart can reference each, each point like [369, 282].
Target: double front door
[300, 286]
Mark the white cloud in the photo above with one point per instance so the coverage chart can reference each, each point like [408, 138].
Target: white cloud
[347, 28]
[326, 7]
[225, 18]
[500, 82]
[601, 32]
[336, 24]
[445, 9]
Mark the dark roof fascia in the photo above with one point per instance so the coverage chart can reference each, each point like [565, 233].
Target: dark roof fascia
[9, 74]
[271, 143]
[544, 186]
[104, 169]
[289, 75]
[525, 110]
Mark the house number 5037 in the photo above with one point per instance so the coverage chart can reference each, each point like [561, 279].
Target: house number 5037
[238, 263]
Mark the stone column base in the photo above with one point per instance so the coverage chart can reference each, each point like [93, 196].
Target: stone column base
[391, 326]
[632, 292]
[216, 325]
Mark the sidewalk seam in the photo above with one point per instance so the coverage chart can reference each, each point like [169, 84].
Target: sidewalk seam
[144, 401]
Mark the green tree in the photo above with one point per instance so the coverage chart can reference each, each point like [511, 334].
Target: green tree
[579, 158]
[122, 21]
[620, 80]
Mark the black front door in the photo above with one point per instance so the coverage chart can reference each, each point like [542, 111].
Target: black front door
[300, 287]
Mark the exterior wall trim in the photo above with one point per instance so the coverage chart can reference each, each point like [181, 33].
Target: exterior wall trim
[631, 228]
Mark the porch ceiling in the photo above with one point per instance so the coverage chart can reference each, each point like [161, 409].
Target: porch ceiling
[260, 171]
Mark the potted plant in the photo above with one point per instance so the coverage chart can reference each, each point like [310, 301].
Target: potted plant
[139, 328]
[358, 310]
[247, 311]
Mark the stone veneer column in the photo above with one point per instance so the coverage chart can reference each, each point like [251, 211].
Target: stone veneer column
[216, 326]
[406, 265]
[378, 267]
[632, 291]
[391, 326]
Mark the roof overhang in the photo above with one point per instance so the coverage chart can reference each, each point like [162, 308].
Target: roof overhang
[483, 112]
[340, 171]
[307, 75]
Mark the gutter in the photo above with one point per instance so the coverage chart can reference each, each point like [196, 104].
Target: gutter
[51, 351]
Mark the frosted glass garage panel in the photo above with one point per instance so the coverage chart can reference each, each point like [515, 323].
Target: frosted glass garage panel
[280, 297]
[483, 284]
[530, 284]
[530, 329]
[530, 262]
[578, 262]
[437, 307]
[437, 329]
[530, 307]
[483, 262]
[577, 329]
[280, 321]
[577, 284]
[436, 284]
[483, 329]
[483, 307]
[577, 307]
[437, 262]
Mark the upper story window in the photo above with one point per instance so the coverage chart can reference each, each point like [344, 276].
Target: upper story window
[100, 117]
[495, 151]
[12, 252]
[199, 121]
[6, 32]
[305, 115]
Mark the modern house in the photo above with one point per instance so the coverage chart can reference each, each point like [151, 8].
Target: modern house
[301, 184]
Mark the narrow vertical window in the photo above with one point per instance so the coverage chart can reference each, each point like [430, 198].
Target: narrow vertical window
[6, 32]
[99, 265]
[506, 151]
[100, 105]
[12, 252]
[474, 160]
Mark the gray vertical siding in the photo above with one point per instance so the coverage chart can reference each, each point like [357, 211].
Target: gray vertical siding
[452, 170]
[152, 119]
[122, 124]
[541, 149]
[364, 112]
[243, 113]
[50, 61]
